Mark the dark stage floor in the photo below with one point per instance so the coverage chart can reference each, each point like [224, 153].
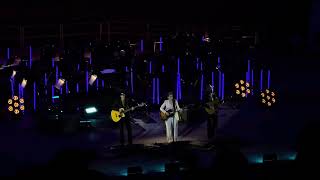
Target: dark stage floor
[22, 147]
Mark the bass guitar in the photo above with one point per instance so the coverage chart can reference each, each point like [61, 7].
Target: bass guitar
[116, 116]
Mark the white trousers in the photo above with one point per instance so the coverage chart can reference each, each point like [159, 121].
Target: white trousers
[172, 129]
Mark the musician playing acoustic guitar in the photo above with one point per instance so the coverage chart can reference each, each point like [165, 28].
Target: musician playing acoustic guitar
[125, 121]
[211, 108]
[170, 108]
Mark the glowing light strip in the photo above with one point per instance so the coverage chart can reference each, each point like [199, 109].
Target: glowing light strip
[34, 96]
[87, 83]
[52, 92]
[150, 67]
[219, 92]
[30, 56]
[77, 87]
[201, 87]
[52, 62]
[153, 90]
[162, 67]
[222, 86]
[161, 44]
[158, 91]
[197, 63]
[212, 80]
[261, 79]
[248, 80]
[97, 83]
[252, 80]
[67, 88]
[268, 78]
[141, 45]
[8, 53]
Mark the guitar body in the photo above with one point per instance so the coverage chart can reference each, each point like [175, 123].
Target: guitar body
[164, 117]
[210, 109]
[116, 116]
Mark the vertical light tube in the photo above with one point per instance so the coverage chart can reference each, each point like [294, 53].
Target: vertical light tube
[161, 43]
[153, 90]
[52, 62]
[57, 73]
[52, 93]
[61, 86]
[201, 87]
[34, 96]
[102, 84]
[12, 86]
[212, 80]
[77, 87]
[219, 92]
[252, 80]
[150, 67]
[197, 64]
[178, 65]
[131, 78]
[162, 67]
[30, 56]
[261, 79]
[249, 71]
[158, 91]
[67, 88]
[97, 83]
[8, 53]
[268, 78]
[87, 79]
[222, 87]
[141, 45]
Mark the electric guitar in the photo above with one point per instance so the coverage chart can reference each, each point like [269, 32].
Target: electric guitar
[116, 116]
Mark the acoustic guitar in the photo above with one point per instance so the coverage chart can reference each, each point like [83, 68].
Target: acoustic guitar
[164, 117]
[116, 116]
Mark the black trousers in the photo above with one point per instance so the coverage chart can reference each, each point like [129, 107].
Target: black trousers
[125, 122]
[212, 125]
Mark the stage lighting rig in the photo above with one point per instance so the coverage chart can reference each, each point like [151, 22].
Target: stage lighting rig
[268, 98]
[242, 88]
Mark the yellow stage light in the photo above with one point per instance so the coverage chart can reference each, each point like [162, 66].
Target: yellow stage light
[262, 95]
[16, 111]
[241, 82]
[237, 85]
[16, 104]
[268, 97]
[273, 100]
[267, 91]
[10, 108]
[263, 101]
[242, 88]
[243, 94]
[273, 94]
[9, 101]
[248, 91]
[22, 107]
[247, 84]
[269, 103]
[15, 98]
[237, 91]
[21, 100]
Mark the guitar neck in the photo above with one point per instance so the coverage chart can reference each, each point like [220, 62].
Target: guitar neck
[127, 110]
